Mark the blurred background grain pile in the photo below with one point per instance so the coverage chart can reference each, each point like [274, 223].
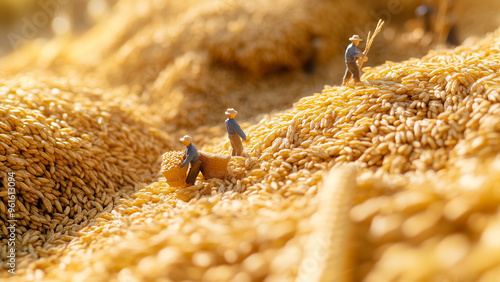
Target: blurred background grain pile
[99, 89]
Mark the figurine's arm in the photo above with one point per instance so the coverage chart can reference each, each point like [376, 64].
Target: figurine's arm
[240, 132]
[361, 55]
[188, 159]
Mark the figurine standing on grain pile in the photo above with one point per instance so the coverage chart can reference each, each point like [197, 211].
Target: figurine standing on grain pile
[191, 157]
[233, 130]
[352, 54]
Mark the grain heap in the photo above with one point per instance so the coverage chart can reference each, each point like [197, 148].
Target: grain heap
[190, 59]
[419, 132]
[202, 56]
[74, 155]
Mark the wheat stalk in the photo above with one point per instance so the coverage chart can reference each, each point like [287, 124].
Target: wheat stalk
[370, 41]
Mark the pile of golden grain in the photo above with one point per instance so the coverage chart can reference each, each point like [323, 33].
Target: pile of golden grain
[423, 136]
[189, 61]
[422, 206]
[74, 156]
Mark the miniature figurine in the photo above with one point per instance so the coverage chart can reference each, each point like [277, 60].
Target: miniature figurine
[352, 54]
[191, 157]
[233, 130]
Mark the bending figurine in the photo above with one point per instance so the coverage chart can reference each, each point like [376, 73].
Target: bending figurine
[234, 133]
[352, 54]
[191, 157]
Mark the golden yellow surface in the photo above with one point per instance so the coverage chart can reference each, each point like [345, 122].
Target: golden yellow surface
[392, 179]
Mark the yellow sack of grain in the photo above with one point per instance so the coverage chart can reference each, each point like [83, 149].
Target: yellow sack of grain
[213, 165]
[172, 170]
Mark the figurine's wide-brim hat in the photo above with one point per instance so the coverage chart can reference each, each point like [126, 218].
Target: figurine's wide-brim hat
[231, 111]
[355, 38]
[186, 138]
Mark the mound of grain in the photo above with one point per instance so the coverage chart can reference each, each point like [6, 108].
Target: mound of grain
[187, 60]
[417, 132]
[432, 226]
[183, 60]
[232, 58]
[74, 156]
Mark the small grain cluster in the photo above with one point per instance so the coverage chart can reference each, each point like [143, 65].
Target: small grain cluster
[172, 160]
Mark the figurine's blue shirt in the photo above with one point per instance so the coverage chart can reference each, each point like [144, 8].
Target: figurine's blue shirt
[351, 52]
[233, 127]
[191, 155]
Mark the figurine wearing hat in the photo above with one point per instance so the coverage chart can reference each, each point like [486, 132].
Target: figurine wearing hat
[352, 54]
[191, 157]
[234, 132]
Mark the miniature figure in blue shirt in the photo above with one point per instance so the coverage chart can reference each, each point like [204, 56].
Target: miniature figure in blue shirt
[191, 158]
[234, 133]
[352, 54]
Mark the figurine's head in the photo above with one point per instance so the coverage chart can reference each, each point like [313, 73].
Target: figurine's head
[186, 140]
[355, 39]
[231, 113]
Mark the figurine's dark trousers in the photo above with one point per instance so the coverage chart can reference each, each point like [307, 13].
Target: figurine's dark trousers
[236, 144]
[193, 172]
[352, 69]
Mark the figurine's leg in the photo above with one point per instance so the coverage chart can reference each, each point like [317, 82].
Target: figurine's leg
[347, 75]
[233, 150]
[239, 146]
[236, 145]
[355, 72]
[193, 173]
[232, 144]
